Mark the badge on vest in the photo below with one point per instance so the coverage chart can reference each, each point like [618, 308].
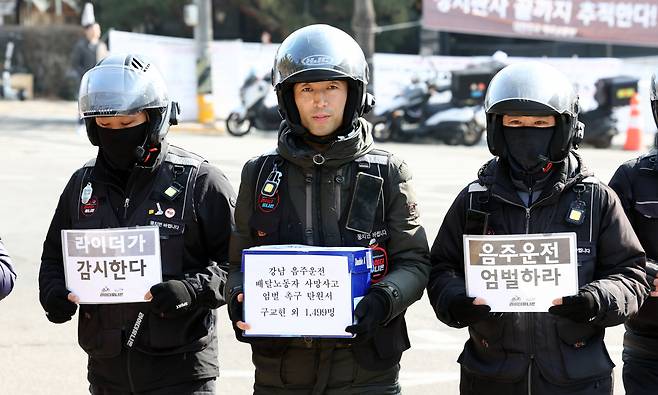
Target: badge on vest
[379, 263]
[90, 207]
[86, 193]
[268, 200]
[173, 191]
[157, 211]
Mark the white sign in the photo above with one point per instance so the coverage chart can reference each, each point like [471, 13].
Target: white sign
[297, 295]
[514, 273]
[112, 265]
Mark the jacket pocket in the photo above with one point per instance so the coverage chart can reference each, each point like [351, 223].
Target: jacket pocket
[189, 332]
[485, 354]
[94, 338]
[647, 209]
[385, 348]
[172, 247]
[265, 231]
[583, 352]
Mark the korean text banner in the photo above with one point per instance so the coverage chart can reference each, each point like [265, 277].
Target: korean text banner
[112, 265]
[617, 22]
[514, 273]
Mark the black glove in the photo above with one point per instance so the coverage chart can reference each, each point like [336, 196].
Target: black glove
[58, 308]
[235, 311]
[579, 308]
[465, 312]
[370, 313]
[172, 298]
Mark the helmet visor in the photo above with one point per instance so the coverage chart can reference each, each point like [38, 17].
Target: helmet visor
[319, 48]
[532, 89]
[116, 90]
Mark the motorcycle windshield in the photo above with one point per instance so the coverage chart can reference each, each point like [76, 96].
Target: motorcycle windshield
[115, 90]
[530, 88]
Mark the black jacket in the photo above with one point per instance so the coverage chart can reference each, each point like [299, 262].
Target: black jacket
[167, 351]
[636, 184]
[7, 274]
[610, 266]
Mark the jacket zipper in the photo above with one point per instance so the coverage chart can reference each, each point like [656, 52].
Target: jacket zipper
[317, 172]
[308, 231]
[529, 322]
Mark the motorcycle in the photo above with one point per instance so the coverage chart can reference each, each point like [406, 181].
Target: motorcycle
[416, 113]
[9, 93]
[601, 122]
[254, 109]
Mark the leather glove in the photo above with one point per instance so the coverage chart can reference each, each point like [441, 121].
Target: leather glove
[58, 308]
[580, 308]
[172, 298]
[465, 312]
[370, 313]
[235, 311]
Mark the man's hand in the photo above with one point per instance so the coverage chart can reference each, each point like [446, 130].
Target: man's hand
[370, 314]
[235, 312]
[171, 298]
[467, 310]
[60, 305]
[579, 308]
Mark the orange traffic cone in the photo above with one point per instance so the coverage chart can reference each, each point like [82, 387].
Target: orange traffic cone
[633, 133]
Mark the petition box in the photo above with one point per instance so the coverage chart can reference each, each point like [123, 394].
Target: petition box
[297, 290]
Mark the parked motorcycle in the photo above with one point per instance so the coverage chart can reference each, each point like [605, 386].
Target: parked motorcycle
[9, 93]
[254, 109]
[415, 113]
[601, 122]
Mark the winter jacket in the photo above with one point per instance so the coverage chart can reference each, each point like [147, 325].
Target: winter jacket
[195, 226]
[504, 347]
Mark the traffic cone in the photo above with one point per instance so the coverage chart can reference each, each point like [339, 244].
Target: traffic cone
[633, 133]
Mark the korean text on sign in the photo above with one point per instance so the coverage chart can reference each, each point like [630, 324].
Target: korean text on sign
[297, 295]
[521, 272]
[112, 265]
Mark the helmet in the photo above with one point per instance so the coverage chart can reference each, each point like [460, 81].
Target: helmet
[124, 84]
[654, 96]
[321, 53]
[533, 88]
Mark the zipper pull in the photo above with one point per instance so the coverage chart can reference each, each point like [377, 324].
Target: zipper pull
[125, 208]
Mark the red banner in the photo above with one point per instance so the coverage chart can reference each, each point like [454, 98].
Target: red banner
[614, 22]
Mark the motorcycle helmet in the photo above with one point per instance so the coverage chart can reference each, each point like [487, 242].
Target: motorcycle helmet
[125, 84]
[321, 53]
[536, 89]
[653, 94]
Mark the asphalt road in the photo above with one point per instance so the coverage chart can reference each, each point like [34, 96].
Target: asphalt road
[37, 159]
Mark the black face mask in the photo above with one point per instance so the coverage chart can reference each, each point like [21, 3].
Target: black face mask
[528, 148]
[118, 145]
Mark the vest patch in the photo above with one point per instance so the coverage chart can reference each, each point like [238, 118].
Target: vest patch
[267, 204]
[167, 225]
[90, 207]
[379, 263]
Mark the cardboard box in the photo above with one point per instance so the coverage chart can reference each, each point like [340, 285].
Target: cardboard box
[296, 290]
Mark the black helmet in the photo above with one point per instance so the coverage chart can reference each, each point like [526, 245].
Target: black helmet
[320, 53]
[533, 88]
[124, 84]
